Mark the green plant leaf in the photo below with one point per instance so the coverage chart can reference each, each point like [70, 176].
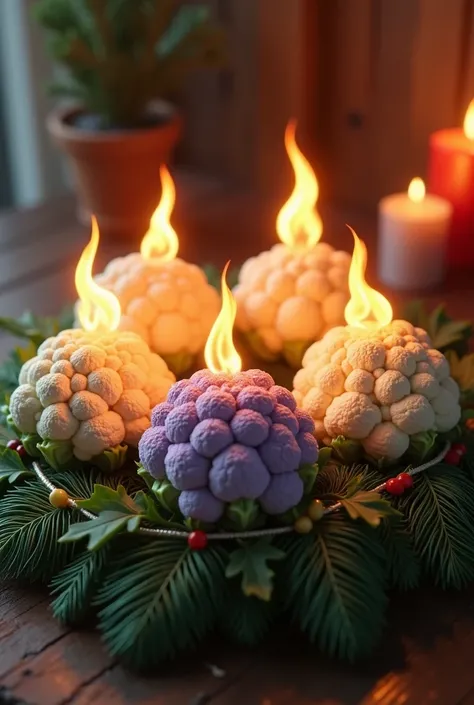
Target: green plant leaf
[347, 450]
[368, 506]
[246, 620]
[335, 582]
[58, 454]
[421, 444]
[243, 514]
[76, 585]
[440, 515]
[105, 498]
[402, 562]
[308, 474]
[101, 530]
[324, 456]
[251, 560]
[112, 459]
[158, 598]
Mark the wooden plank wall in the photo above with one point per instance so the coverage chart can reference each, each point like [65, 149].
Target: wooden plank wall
[389, 73]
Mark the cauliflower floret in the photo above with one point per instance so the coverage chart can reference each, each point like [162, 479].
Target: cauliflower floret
[377, 386]
[79, 399]
[286, 298]
[170, 305]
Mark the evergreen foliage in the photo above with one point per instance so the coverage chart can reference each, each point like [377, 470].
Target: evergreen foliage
[121, 54]
[335, 581]
[158, 598]
[246, 620]
[440, 515]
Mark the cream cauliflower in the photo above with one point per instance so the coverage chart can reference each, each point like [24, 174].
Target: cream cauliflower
[93, 391]
[170, 305]
[379, 387]
[287, 300]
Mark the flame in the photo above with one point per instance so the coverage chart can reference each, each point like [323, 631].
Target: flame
[298, 223]
[220, 354]
[469, 121]
[366, 308]
[416, 190]
[98, 309]
[161, 240]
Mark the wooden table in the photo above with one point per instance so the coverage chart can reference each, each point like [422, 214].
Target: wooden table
[427, 656]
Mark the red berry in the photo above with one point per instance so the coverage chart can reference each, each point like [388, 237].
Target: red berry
[460, 448]
[13, 444]
[197, 540]
[21, 451]
[395, 486]
[406, 480]
[452, 457]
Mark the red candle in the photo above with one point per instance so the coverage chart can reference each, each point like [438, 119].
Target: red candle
[451, 175]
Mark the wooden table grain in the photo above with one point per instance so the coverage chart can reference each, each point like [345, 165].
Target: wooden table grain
[427, 655]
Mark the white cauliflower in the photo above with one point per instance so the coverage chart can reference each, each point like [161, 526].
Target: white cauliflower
[288, 300]
[96, 391]
[379, 387]
[170, 304]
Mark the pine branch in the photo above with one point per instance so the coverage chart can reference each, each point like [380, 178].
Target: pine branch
[158, 598]
[440, 514]
[30, 527]
[246, 620]
[402, 563]
[335, 581]
[77, 585]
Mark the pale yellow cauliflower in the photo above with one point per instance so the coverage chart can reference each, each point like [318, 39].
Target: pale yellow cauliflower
[286, 298]
[170, 305]
[96, 391]
[379, 387]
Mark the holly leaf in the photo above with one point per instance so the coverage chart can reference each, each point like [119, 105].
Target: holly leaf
[102, 529]
[106, 499]
[368, 506]
[251, 561]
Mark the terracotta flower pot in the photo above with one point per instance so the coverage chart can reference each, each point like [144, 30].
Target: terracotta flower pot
[117, 171]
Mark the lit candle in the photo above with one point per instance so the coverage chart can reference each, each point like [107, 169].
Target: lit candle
[451, 175]
[165, 300]
[376, 381]
[230, 443]
[292, 294]
[89, 390]
[413, 231]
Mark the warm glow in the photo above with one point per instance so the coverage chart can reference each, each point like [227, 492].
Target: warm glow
[416, 190]
[469, 121]
[367, 308]
[220, 354]
[161, 241]
[298, 223]
[98, 309]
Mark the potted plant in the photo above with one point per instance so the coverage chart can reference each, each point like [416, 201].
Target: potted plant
[122, 57]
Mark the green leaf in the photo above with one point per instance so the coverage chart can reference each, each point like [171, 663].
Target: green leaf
[308, 474]
[335, 582]
[246, 620]
[451, 333]
[243, 514]
[348, 451]
[402, 562]
[324, 456]
[11, 460]
[77, 584]
[101, 530]
[167, 495]
[440, 515]
[421, 444]
[145, 475]
[112, 459]
[30, 442]
[251, 560]
[158, 598]
[109, 499]
[148, 508]
[58, 454]
[368, 506]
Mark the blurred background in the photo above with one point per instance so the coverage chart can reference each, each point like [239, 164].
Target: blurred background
[368, 80]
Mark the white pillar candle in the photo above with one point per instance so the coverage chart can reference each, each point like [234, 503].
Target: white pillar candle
[413, 230]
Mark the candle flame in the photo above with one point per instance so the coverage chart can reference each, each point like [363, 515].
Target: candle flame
[469, 121]
[416, 190]
[220, 354]
[98, 309]
[161, 240]
[298, 223]
[367, 308]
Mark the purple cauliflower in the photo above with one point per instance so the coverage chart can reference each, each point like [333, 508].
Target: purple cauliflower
[222, 438]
